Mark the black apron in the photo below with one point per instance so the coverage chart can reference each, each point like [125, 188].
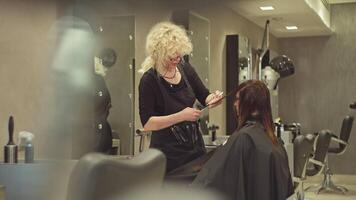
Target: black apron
[182, 142]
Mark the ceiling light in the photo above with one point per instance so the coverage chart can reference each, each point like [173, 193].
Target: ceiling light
[291, 27]
[264, 8]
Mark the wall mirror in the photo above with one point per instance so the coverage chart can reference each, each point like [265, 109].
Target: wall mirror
[238, 70]
[117, 33]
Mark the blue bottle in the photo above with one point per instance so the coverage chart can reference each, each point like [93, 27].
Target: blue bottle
[29, 153]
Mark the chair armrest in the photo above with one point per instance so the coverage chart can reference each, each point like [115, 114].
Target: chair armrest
[339, 141]
[316, 170]
[316, 162]
[143, 134]
[297, 179]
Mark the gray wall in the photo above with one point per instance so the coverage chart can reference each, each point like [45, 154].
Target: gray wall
[149, 12]
[24, 72]
[26, 81]
[319, 93]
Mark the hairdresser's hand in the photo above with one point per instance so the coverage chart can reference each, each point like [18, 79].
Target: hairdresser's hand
[214, 99]
[189, 114]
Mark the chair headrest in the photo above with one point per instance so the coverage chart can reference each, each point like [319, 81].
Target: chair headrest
[99, 176]
[346, 128]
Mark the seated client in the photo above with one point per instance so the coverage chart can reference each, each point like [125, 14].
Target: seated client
[252, 165]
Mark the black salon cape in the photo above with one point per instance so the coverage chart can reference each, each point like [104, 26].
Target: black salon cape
[248, 167]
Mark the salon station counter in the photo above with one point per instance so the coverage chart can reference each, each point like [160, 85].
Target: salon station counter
[42, 180]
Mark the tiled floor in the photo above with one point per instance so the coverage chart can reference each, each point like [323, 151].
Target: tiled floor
[351, 195]
[348, 181]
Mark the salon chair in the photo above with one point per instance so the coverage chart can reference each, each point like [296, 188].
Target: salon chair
[286, 134]
[303, 148]
[309, 150]
[342, 140]
[293, 130]
[101, 177]
[320, 150]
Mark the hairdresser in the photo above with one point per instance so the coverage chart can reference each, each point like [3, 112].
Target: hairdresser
[167, 91]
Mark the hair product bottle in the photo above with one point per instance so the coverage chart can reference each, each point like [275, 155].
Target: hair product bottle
[10, 149]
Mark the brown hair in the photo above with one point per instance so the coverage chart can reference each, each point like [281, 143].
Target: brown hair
[254, 102]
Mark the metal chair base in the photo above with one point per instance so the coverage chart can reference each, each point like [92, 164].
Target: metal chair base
[299, 192]
[328, 185]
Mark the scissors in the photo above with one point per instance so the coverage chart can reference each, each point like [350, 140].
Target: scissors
[207, 106]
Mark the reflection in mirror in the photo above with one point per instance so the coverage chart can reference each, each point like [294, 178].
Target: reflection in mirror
[245, 66]
[108, 57]
[115, 34]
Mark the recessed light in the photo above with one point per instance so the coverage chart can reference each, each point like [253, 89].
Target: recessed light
[291, 27]
[264, 8]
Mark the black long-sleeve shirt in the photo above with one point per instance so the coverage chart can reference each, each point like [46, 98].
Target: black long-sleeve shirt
[151, 101]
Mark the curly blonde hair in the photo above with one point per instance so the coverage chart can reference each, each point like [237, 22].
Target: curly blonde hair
[165, 40]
